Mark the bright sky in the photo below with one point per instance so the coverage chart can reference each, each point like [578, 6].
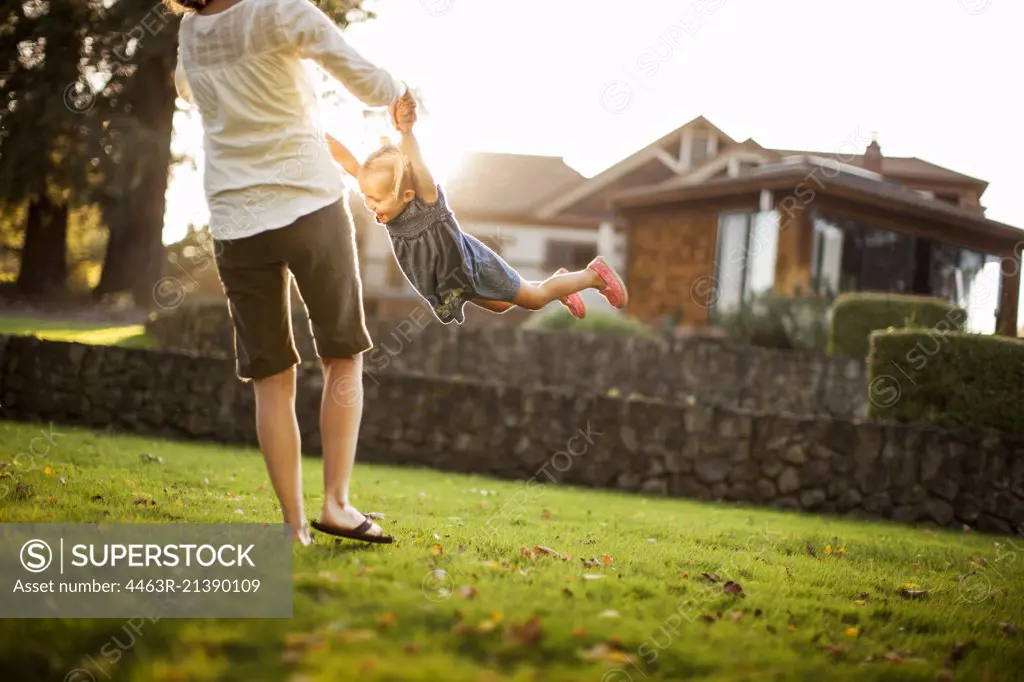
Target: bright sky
[595, 80]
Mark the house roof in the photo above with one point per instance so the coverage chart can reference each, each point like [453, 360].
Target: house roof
[897, 166]
[857, 185]
[489, 183]
[642, 167]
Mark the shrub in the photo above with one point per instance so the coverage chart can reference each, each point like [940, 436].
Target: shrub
[856, 315]
[954, 380]
[561, 320]
[771, 321]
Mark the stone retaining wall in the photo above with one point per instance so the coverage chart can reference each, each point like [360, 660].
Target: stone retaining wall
[722, 373]
[903, 472]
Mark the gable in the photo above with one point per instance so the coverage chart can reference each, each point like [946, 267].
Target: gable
[670, 156]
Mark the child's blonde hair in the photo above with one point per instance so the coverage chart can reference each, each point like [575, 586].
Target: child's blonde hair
[390, 159]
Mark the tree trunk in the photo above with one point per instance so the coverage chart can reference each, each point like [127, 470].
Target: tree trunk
[44, 266]
[135, 250]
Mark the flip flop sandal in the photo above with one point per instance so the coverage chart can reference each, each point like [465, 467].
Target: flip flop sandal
[574, 302]
[357, 533]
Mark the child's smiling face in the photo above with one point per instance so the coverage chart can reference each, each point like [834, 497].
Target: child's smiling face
[378, 188]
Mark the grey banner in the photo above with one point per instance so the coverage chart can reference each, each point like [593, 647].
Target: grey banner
[85, 570]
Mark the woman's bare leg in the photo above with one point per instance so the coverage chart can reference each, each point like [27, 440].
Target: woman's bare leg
[341, 410]
[278, 432]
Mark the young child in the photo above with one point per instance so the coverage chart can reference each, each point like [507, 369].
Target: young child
[444, 264]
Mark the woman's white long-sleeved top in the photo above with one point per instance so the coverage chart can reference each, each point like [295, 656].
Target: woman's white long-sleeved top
[266, 162]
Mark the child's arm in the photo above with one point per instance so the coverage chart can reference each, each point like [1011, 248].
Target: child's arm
[423, 181]
[343, 156]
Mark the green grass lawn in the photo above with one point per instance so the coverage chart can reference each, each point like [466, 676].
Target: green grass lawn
[876, 601]
[98, 334]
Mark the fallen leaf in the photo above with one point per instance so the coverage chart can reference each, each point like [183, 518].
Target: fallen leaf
[863, 595]
[835, 650]
[609, 613]
[579, 632]
[810, 550]
[916, 566]
[733, 588]
[851, 631]
[707, 617]
[684, 576]
[375, 516]
[388, 619]
[529, 632]
[461, 549]
[967, 529]
[958, 653]
[713, 577]
[735, 616]
[436, 550]
[593, 576]
[791, 626]
[23, 490]
[527, 552]
[606, 559]
[1008, 629]
[541, 549]
[545, 515]
[4, 474]
[467, 592]
[928, 532]
[590, 563]
[911, 591]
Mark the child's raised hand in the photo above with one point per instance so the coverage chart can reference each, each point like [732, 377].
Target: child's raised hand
[404, 114]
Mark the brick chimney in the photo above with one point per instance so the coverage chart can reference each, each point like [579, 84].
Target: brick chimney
[873, 156]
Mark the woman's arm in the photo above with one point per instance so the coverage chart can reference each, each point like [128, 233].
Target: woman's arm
[181, 82]
[343, 156]
[316, 37]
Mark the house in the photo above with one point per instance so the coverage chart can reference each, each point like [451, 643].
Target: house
[512, 203]
[699, 223]
[713, 222]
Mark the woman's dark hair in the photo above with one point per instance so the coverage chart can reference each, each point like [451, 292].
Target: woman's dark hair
[186, 5]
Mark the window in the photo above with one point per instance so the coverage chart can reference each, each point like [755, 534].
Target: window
[949, 198]
[570, 255]
[852, 256]
[826, 258]
[744, 258]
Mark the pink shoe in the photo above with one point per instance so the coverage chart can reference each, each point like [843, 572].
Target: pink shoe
[574, 302]
[614, 289]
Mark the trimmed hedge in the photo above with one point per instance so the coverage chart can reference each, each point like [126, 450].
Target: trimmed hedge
[856, 315]
[953, 380]
[561, 320]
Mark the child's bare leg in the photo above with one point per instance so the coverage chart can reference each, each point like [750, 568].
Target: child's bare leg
[534, 296]
[494, 306]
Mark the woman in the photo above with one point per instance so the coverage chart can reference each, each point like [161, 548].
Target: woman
[275, 200]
